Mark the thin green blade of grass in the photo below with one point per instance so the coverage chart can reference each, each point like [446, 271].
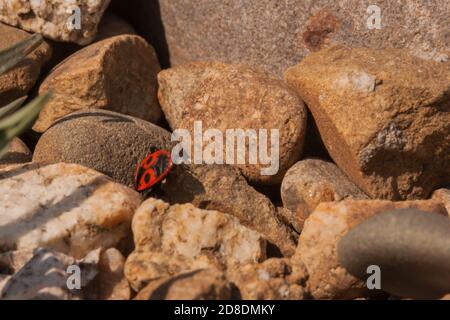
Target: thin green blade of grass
[24, 116]
[17, 124]
[15, 54]
[13, 106]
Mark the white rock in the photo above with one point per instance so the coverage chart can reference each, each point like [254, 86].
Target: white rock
[180, 238]
[74, 21]
[45, 276]
[66, 207]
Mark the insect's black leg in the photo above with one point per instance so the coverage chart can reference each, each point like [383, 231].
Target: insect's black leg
[157, 191]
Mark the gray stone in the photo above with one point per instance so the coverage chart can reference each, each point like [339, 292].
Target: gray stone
[411, 247]
[278, 34]
[106, 141]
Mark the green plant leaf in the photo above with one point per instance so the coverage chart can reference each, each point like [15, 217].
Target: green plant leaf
[15, 124]
[10, 57]
[13, 106]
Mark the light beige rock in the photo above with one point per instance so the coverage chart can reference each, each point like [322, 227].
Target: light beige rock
[66, 207]
[181, 238]
[17, 152]
[312, 181]
[227, 97]
[223, 188]
[383, 116]
[270, 280]
[117, 74]
[56, 19]
[317, 249]
[45, 277]
[18, 81]
[443, 195]
[208, 284]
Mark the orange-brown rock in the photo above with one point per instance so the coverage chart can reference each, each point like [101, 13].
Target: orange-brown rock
[223, 97]
[317, 249]
[206, 284]
[383, 115]
[118, 74]
[312, 181]
[18, 81]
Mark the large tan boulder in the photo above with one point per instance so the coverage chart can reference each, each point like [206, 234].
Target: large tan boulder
[383, 116]
[117, 74]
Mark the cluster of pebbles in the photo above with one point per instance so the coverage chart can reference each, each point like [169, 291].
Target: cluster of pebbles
[364, 155]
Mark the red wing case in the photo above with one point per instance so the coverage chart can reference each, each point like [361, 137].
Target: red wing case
[153, 169]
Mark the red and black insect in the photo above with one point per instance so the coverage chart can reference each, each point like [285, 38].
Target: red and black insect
[153, 169]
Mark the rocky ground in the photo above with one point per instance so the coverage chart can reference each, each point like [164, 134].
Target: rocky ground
[364, 151]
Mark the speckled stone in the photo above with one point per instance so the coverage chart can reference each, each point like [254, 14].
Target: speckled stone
[180, 238]
[318, 242]
[51, 18]
[62, 206]
[224, 188]
[231, 96]
[44, 277]
[443, 195]
[18, 81]
[312, 181]
[117, 74]
[16, 152]
[271, 280]
[383, 115]
[278, 34]
[411, 247]
[106, 141]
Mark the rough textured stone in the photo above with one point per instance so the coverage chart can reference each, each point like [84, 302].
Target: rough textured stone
[270, 280]
[16, 152]
[52, 18]
[312, 181]
[289, 218]
[278, 34]
[317, 249]
[108, 142]
[66, 207]
[44, 277]
[443, 195]
[225, 97]
[112, 25]
[383, 115]
[223, 188]
[118, 74]
[206, 284]
[13, 261]
[180, 238]
[411, 248]
[110, 282]
[18, 81]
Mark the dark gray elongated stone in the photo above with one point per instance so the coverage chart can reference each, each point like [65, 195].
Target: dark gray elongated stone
[411, 247]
